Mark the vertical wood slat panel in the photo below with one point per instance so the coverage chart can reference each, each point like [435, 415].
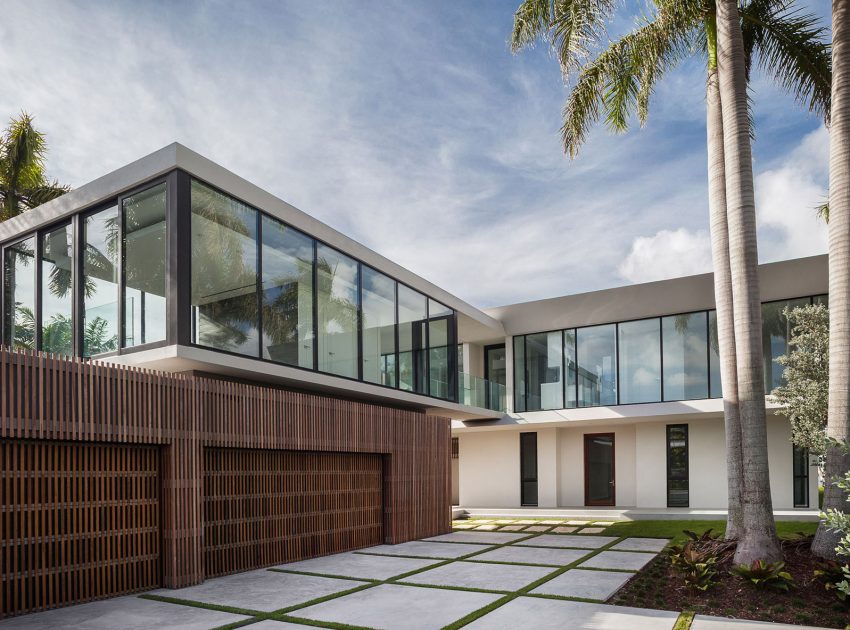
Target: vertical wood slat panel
[53, 399]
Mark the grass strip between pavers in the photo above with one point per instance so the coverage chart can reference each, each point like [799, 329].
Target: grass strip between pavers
[684, 621]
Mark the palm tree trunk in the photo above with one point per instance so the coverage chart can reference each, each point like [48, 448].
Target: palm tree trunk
[838, 423]
[723, 291]
[758, 539]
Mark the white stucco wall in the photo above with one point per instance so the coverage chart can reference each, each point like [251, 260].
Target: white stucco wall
[489, 465]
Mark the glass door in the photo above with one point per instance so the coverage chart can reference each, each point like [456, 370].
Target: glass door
[599, 486]
[495, 372]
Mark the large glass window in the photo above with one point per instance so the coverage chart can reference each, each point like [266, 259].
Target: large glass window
[57, 279]
[412, 315]
[571, 368]
[144, 267]
[544, 365]
[379, 359]
[678, 491]
[597, 365]
[287, 260]
[801, 476]
[685, 344]
[640, 361]
[715, 384]
[776, 332]
[519, 373]
[439, 318]
[528, 468]
[225, 312]
[337, 280]
[19, 295]
[101, 244]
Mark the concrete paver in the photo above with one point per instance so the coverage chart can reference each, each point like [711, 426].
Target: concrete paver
[426, 549]
[561, 540]
[127, 613]
[624, 560]
[555, 614]
[261, 590]
[703, 622]
[533, 555]
[585, 584]
[495, 538]
[641, 544]
[398, 607]
[494, 577]
[358, 565]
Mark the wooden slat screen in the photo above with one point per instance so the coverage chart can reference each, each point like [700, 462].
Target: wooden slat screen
[43, 397]
[78, 521]
[270, 507]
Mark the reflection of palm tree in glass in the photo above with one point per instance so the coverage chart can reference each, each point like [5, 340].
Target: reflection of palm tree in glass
[58, 333]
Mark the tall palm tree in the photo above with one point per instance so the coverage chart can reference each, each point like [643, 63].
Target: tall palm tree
[23, 183]
[838, 419]
[619, 81]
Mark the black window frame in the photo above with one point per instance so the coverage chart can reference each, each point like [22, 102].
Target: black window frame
[683, 427]
[528, 439]
[795, 475]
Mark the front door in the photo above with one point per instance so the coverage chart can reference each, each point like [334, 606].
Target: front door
[599, 486]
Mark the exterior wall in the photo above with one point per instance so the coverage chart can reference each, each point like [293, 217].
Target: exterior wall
[50, 399]
[489, 464]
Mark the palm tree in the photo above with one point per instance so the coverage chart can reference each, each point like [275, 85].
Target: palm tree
[619, 81]
[838, 418]
[23, 184]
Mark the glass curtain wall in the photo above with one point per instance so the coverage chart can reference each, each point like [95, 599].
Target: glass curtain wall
[519, 373]
[379, 364]
[101, 280]
[776, 332]
[571, 366]
[596, 349]
[225, 312]
[19, 289]
[714, 382]
[337, 280]
[57, 282]
[544, 365]
[640, 361]
[287, 294]
[439, 324]
[412, 316]
[144, 267]
[685, 348]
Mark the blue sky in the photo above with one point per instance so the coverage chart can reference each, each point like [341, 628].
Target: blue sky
[411, 127]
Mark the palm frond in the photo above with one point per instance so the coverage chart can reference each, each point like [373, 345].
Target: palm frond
[791, 46]
[822, 211]
[37, 195]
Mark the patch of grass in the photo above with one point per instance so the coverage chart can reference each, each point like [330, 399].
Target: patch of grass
[684, 621]
[673, 529]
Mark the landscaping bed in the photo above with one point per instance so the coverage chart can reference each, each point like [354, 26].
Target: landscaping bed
[807, 602]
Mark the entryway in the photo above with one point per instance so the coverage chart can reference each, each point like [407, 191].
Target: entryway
[599, 477]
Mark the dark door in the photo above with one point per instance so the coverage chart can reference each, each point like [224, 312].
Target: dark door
[495, 371]
[528, 468]
[599, 486]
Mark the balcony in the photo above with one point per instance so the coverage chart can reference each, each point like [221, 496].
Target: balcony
[478, 392]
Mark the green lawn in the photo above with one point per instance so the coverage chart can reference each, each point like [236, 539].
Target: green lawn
[673, 529]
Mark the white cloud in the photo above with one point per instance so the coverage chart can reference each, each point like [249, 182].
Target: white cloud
[667, 254]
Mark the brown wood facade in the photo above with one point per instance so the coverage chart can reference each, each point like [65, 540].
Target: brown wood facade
[92, 454]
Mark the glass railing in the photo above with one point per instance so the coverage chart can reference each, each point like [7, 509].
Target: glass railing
[478, 392]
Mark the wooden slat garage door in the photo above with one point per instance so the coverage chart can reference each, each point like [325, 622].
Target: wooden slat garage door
[268, 507]
[78, 522]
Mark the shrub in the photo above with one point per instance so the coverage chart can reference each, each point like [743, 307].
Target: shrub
[762, 574]
[697, 566]
[833, 574]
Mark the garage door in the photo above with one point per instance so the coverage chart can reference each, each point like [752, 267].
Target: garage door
[78, 522]
[268, 507]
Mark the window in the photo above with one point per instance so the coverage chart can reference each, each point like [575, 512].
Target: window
[714, 382]
[495, 373]
[101, 240]
[412, 315]
[685, 347]
[455, 448]
[287, 298]
[597, 365]
[19, 295]
[544, 365]
[379, 359]
[801, 476]
[571, 368]
[678, 494]
[225, 312]
[528, 468]
[640, 361]
[519, 373]
[439, 317]
[144, 267]
[776, 331]
[337, 281]
[57, 281]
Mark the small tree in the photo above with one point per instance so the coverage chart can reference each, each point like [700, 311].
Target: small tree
[805, 395]
[839, 522]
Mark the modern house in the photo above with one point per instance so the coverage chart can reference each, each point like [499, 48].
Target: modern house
[197, 378]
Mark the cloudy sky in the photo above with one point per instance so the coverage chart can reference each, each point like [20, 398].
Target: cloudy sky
[409, 126]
